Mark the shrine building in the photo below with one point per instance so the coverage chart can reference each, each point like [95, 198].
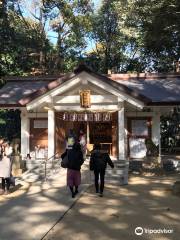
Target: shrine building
[119, 111]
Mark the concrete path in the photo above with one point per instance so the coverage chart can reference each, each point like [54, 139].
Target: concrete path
[29, 213]
[147, 202]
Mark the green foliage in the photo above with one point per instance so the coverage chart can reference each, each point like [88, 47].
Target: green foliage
[117, 40]
[107, 35]
[71, 21]
[22, 40]
[158, 23]
[170, 131]
[136, 36]
[129, 35]
[10, 124]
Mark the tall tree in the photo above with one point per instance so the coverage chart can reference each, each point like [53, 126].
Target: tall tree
[24, 43]
[159, 25]
[106, 33]
[70, 20]
[115, 40]
[141, 35]
[36, 11]
[6, 35]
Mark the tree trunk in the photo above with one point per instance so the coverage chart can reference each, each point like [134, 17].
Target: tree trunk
[107, 61]
[60, 59]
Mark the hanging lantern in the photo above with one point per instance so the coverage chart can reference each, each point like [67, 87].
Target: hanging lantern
[85, 98]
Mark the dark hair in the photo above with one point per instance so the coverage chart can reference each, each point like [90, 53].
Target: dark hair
[97, 146]
[71, 132]
[76, 146]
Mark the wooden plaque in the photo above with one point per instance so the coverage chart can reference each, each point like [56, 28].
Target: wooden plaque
[85, 98]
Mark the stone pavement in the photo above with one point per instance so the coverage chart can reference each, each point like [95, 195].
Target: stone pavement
[29, 212]
[146, 202]
[37, 210]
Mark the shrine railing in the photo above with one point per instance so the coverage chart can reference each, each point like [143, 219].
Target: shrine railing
[52, 161]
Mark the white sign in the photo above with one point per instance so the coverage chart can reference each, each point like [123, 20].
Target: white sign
[82, 117]
[137, 147]
[40, 123]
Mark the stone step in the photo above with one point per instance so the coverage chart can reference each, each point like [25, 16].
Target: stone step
[37, 174]
[36, 171]
[118, 175]
[32, 163]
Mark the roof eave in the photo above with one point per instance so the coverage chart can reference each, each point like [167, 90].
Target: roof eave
[4, 106]
[164, 103]
[45, 89]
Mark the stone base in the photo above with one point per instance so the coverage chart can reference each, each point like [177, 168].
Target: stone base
[176, 188]
[17, 172]
[17, 166]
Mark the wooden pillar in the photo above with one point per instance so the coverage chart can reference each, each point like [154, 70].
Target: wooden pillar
[114, 135]
[25, 129]
[51, 133]
[88, 137]
[156, 132]
[121, 134]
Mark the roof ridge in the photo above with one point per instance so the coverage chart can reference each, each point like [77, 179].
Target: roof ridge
[121, 76]
[33, 78]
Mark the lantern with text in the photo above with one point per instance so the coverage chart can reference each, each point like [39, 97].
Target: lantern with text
[85, 98]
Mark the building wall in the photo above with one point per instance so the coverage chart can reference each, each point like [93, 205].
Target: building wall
[154, 128]
[38, 136]
[103, 132]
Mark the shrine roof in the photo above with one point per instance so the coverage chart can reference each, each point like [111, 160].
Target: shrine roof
[13, 91]
[160, 88]
[152, 89]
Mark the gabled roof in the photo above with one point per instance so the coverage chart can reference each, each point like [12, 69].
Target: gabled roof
[13, 91]
[21, 91]
[18, 88]
[150, 89]
[162, 89]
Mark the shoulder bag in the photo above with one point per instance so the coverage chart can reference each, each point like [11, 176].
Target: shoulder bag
[65, 160]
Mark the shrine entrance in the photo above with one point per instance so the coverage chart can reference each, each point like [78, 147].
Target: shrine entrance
[98, 128]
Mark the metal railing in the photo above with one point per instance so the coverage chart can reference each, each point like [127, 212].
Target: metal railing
[45, 164]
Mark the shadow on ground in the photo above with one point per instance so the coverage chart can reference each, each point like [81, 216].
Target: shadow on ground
[30, 211]
[146, 202]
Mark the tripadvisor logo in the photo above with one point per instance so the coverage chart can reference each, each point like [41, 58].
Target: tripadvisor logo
[139, 231]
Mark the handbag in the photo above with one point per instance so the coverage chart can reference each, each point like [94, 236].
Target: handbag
[64, 162]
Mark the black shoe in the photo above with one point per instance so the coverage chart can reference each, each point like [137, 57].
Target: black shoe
[76, 192]
[73, 195]
[101, 194]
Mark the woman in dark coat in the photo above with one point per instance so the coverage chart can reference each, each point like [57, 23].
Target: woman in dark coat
[75, 160]
[98, 163]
